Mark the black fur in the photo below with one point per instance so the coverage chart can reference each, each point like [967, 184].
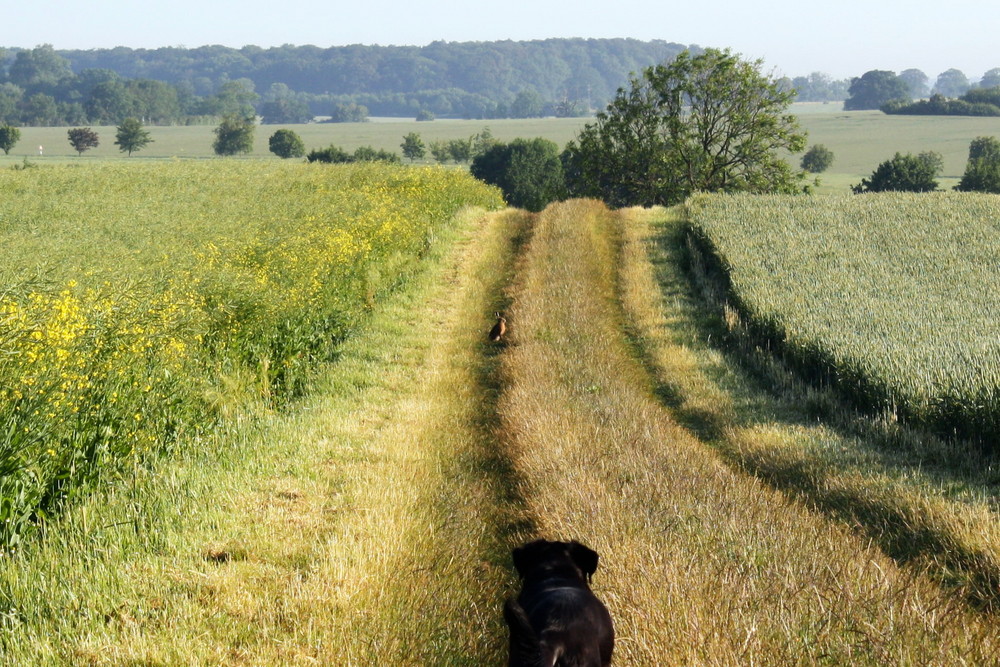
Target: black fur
[556, 620]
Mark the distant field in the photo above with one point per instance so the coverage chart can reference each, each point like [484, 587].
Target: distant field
[196, 141]
[860, 140]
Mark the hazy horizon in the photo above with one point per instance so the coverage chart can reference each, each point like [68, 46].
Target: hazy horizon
[842, 39]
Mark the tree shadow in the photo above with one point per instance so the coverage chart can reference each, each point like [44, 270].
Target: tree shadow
[763, 393]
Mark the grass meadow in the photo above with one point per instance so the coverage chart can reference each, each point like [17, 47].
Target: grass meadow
[860, 140]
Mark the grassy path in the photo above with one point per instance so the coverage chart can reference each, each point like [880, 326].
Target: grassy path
[702, 564]
[374, 524]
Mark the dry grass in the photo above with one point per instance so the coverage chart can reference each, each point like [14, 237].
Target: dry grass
[700, 564]
[926, 502]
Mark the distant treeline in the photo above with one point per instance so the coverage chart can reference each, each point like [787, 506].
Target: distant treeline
[976, 102]
[43, 86]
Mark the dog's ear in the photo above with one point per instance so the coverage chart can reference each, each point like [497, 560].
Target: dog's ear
[584, 557]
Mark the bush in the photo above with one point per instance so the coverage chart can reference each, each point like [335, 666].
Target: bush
[817, 159]
[904, 173]
[528, 171]
[982, 172]
[286, 144]
[330, 155]
[337, 155]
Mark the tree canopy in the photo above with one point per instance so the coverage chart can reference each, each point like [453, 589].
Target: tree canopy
[296, 83]
[528, 171]
[982, 171]
[234, 135]
[413, 146]
[817, 159]
[874, 88]
[952, 83]
[9, 136]
[708, 122]
[286, 144]
[132, 136]
[83, 139]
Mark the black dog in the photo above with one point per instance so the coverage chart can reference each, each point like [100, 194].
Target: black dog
[557, 621]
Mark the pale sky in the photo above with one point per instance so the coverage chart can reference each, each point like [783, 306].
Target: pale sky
[842, 38]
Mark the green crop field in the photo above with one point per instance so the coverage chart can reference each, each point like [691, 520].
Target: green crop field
[140, 301]
[891, 296]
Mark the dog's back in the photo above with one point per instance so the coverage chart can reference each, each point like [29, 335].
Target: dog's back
[557, 621]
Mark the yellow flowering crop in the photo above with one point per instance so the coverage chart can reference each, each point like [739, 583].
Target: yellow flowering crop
[160, 279]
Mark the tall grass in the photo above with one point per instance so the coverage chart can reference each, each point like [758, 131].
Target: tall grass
[890, 297]
[700, 564]
[145, 303]
[367, 522]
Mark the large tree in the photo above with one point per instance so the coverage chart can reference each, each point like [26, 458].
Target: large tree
[234, 135]
[875, 88]
[952, 83]
[9, 136]
[83, 139]
[710, 122]
[917, 82]
[132, 136]
[990, 79]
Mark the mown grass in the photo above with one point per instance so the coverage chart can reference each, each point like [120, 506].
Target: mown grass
[371, 523]
[701, 564]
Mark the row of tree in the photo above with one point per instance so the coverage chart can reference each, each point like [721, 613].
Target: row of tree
[42, 86]
[130, 136]
[884, 89]
[289, 84]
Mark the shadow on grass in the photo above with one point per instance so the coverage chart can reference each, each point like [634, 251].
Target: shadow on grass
[762, 392]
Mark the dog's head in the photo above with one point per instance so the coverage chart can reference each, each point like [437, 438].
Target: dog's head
[542, 559]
